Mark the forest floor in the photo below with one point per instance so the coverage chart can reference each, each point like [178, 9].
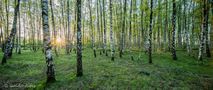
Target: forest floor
[28, 70]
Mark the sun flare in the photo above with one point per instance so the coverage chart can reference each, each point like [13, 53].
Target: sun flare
[58, 40]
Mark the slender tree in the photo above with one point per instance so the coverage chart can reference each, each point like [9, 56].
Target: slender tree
[173, 30]
[206, 16]
[186, 29]
[79, 43]
[1, 24]
[130, 24]
[150, 33]
[142, 21]
[24, 26]
[92, 30]
[101, 27]
[19, 34]
[211, 25]
[111, 33]
[7, 7]
[105, 29]
[122, 32]
[47, 43]
[166, 26]
[159, 25]
[193, 36]
[98, 25]
[203, 30]
[68, 28]
[53, 26]
[8, 49]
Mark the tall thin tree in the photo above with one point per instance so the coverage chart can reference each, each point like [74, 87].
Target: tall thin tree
[111, 33]
[79, 43]
[8, 47]
[206, 16]
[204, 27]
[47, 43]
[150, 32]
[98, 25]
[53, 26]
[105, 29]
[19, 33]
[173, 30]
[123, 32]
[130, 24]
[68, 28]
[91, 28]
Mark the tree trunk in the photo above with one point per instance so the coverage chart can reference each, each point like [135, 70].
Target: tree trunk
[53, 27]
[105, 29]
[150, 33]
[68, 29]
[47, 43]
[142, 23]
[79, 43]
[111, 33]
[204, 27]
[211, 30]
[98, 26]
[101, 26]
[159, 25]
[206, 16]
[19, 35]
[7, 24]
[24, 20]
[7, 7]
[193, 28]
[179, 18]
[123, 29]
[1, 25]
[186, 29]
[166, 27]
[130, 25]
[91, 28]
[173, 30]
[9, 47]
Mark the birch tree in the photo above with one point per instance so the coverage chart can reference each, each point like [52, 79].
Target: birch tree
[173, 29]
[53, 26]
[8, 47]
[150, 33]
[79, 43]
[47, 43]
[111, 33]
[91, 29]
